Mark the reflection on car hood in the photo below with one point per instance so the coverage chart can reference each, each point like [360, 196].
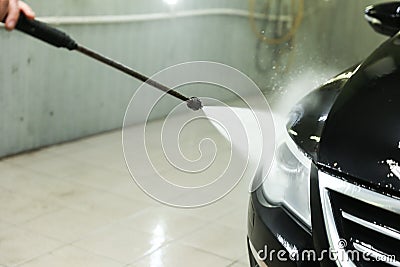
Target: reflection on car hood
[361, 136]
[307, 118]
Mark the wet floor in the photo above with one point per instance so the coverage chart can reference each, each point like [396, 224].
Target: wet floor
[76, 205]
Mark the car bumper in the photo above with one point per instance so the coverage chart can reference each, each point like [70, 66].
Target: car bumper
[275, 237]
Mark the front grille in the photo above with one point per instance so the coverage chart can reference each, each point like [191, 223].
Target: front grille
[363, 226]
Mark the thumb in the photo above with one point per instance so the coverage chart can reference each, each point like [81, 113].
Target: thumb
[3, 9]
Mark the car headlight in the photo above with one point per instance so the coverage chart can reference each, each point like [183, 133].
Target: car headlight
[288, 182]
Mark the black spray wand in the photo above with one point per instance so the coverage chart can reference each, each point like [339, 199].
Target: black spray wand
[57, 38]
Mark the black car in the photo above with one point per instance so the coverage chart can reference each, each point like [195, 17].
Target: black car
[332, 197]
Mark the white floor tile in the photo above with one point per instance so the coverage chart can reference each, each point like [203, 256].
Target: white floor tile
[4, 225]
[244, 259]
[213, 211]
[99, 202]
[53, 165]
[100, 178]
[71, 256]
[239, 264]
[67, 225]
[17, 208]
[69, 148]
[28, 158]
[236, 219]
[111, 158]
[37, 185]
[220, 240]
[173, 223]
[131, 190]
[122, 243]
[176, 255]
[18, 246]
[105, 140]
[78, 206]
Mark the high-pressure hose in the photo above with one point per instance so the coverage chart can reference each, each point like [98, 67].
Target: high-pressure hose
[60, 39]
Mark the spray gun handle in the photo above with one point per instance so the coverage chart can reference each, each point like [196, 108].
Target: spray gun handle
[44, 32]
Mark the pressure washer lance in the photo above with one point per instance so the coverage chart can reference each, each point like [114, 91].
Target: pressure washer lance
[57, 38]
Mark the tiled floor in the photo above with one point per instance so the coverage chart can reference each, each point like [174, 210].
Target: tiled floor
[76, 205]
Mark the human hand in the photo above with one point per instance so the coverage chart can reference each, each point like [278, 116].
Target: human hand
[10, 9]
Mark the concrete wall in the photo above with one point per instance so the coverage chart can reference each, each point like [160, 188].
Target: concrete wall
[48, 95]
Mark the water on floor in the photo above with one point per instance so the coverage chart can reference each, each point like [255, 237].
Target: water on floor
[76, 205]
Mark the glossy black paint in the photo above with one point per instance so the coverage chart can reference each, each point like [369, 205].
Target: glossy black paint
[384, 18]
[266, 223]
[362, 131]
[307, 117]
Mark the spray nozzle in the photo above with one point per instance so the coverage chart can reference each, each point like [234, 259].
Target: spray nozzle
[194, 103]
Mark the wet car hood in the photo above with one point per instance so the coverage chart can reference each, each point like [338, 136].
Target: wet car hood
[361, 135]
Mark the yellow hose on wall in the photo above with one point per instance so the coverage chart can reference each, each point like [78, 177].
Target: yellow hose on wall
[286, 37]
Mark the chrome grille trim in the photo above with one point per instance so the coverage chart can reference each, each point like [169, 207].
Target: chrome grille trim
[330, 183]
[377, 228]
[327, 181]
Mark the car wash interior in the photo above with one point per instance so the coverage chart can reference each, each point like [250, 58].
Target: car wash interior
[240, 133]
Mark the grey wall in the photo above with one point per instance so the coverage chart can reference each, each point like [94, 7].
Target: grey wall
[49, 96]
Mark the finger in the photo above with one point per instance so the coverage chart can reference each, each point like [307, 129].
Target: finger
[27, 10]
[3, 9]
[13, 14]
